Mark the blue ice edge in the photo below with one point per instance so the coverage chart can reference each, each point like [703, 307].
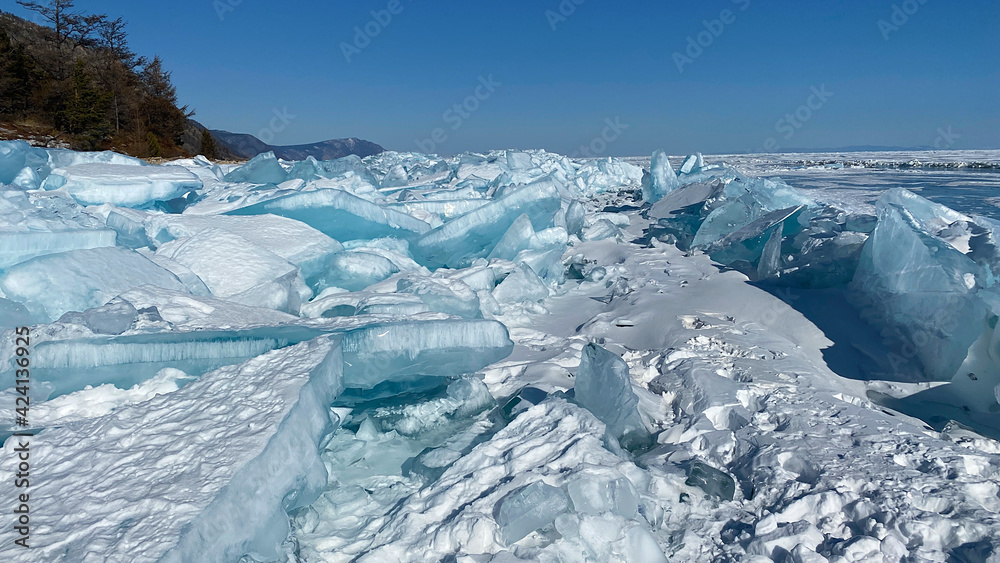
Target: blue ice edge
[374, 352]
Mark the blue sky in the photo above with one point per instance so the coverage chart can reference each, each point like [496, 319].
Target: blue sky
[561, 71]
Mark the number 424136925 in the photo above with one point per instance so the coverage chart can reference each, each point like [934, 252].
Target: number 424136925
[22, 373]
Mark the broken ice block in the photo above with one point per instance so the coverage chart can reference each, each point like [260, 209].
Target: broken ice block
[114, 318]
[692, 164]
[452, 296]
[292, 240]
[406, 351]
[601, 229]
[36, 225]
[340, 215]
[920, 285]
[521, 285]
[235, 269]
[391, 304]
[15, 156]
[596, 494]
[12, 314]
[123, 185]
[80, 279]
[606, 174]
[474, 235]
[353, 271]
[164, 499]
[516, 239]
[715, 483]
[744, 201]
[603, 387]
[528, 509]
[661, 179]
[575, 217]
[748, 242]
[261, 169]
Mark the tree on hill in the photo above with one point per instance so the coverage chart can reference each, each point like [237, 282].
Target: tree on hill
[18, 78]
[208, 147]
[86, 109]
[80, 76]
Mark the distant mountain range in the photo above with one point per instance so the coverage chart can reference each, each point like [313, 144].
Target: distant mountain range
[241, 146]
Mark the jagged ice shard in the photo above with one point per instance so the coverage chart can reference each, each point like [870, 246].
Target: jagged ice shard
[604, 387]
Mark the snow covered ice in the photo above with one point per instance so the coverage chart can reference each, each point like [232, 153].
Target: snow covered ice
[510, 356]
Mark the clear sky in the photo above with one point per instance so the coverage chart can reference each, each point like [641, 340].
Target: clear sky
[875, 72]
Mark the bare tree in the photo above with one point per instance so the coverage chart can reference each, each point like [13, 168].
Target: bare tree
[57, 12]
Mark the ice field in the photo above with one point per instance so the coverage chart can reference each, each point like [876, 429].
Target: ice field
[512, 356]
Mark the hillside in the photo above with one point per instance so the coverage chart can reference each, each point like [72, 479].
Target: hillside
[80, 82]
[247, 146]
[77, 84]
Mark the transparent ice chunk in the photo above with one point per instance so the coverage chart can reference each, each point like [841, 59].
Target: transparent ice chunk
[661, 179]
[528, 509]
[715, 483]
[603, 387]
[474, 235]
[521, 285]
[261, 169]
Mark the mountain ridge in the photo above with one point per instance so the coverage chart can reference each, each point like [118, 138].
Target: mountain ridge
[245, 145]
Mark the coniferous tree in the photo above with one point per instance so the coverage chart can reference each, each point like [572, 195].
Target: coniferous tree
[154, 144]
[164, 118]
[86, 108]
[208, 147]
[80, 77]
[17, 78]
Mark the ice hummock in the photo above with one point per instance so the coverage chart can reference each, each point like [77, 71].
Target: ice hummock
[123, 185]
[78, 280]
[474, 235]
[262, 422]
[233, 268]
[340, 215]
